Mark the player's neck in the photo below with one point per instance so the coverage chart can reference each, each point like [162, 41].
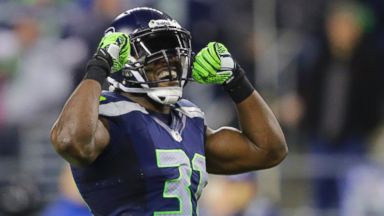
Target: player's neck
[148, 104]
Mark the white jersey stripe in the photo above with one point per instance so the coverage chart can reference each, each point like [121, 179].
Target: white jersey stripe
[120, 108]
[123, 107]
[191, 112]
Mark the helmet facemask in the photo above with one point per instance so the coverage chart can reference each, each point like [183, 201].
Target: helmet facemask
[159, 64]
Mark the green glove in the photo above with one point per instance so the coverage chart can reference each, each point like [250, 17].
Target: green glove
[213, 65]
[118, 46]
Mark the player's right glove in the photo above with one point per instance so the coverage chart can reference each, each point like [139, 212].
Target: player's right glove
[215, 65]
[111, 55]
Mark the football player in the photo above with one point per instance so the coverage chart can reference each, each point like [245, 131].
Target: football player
[140, 149]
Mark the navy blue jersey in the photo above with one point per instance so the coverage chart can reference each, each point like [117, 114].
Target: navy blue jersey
[149, 167]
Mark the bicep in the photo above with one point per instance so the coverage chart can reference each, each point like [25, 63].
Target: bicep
[85, 154]
[229, 151]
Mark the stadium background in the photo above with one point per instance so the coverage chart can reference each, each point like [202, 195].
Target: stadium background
[318, 63]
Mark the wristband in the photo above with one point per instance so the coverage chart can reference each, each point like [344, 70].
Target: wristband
[239, 88]
[96, 73]
[99, 67]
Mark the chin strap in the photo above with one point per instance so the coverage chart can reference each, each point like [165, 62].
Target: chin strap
[165, 95]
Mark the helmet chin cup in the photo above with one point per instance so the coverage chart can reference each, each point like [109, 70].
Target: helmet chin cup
[165, 95]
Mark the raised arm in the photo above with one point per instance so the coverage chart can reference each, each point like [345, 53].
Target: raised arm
[79, 134]
[261, 143]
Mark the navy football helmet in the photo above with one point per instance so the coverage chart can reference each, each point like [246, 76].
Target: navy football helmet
[158, 43]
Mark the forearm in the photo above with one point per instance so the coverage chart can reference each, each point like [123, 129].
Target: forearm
[257, 120]
[261, 127]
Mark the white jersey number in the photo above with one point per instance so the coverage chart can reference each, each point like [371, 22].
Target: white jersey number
[179, 187]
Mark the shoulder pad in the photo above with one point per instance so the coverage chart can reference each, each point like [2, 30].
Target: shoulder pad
[189, 109]
[114, 104]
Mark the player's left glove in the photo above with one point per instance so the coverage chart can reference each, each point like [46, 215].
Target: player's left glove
[215, 65]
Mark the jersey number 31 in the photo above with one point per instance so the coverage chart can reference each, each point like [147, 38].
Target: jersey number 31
[180, 187]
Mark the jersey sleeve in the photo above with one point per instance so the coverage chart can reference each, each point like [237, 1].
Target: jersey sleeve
[113, 105]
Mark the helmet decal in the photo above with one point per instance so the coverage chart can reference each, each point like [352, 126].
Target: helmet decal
[163, 22]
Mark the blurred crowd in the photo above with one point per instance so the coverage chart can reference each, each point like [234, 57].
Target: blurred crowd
[319, 63]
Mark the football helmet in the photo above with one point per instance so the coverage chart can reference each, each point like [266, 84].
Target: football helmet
[160, 53]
